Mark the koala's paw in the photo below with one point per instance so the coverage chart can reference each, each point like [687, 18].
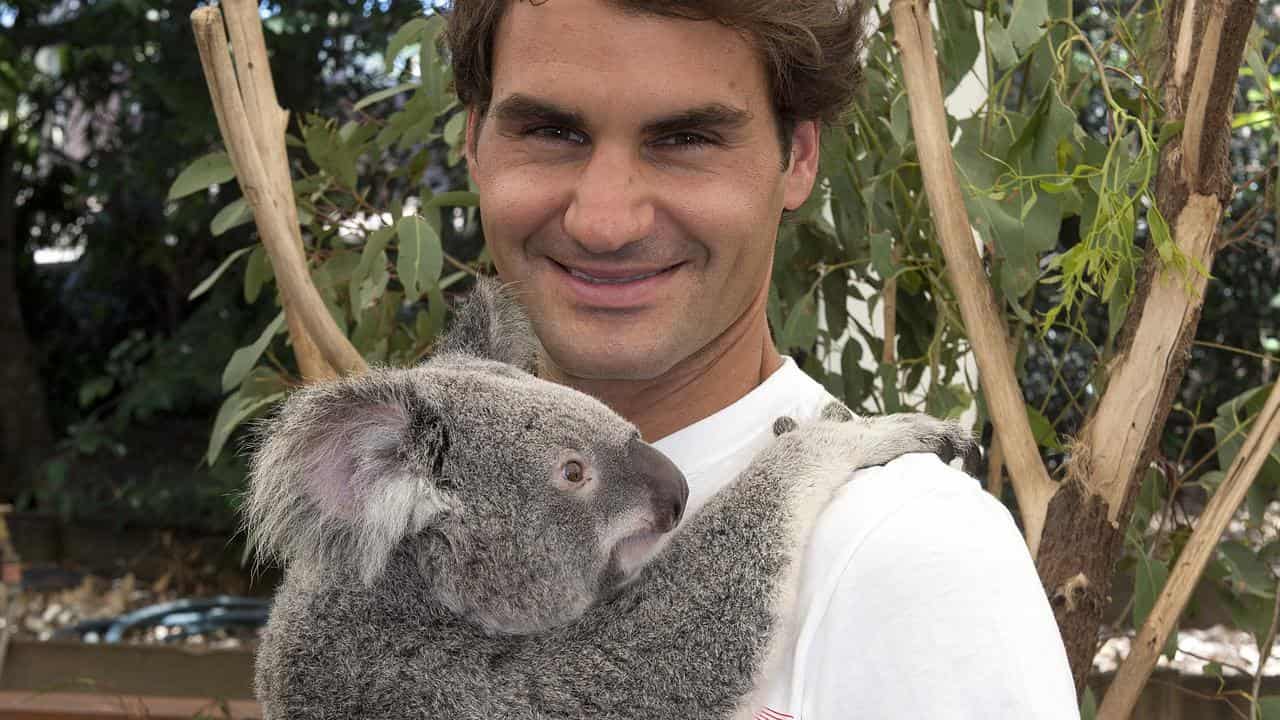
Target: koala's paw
[837, 412]
[784, 425]
[916, 432]
[833, 412]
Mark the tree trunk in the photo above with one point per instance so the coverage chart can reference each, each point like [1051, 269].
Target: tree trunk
[25, 437]
[1088, 515]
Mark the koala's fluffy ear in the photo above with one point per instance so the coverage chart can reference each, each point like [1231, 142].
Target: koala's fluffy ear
[345, 472]
[491, 325]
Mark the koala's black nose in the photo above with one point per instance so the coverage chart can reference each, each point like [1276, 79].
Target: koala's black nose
[670, 491]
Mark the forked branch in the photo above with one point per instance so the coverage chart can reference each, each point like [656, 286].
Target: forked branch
[252, 126]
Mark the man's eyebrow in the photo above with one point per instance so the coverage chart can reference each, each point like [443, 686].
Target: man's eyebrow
[713, 116]
[521, 108]
[518, 108]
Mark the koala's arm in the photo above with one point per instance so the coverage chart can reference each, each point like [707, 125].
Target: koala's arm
[704, 618]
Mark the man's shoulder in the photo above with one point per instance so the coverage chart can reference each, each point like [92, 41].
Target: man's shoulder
[915, 559]
[913, 483]
[913, 504]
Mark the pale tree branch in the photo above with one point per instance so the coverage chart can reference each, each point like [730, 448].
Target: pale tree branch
[982, 318]
[1123, 694]
[268, 121]
[257, 153]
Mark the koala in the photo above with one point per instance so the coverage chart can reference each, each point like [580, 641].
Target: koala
[461, 539]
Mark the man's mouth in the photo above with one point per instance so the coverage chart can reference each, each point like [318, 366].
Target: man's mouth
[620, 288]
[596, 279]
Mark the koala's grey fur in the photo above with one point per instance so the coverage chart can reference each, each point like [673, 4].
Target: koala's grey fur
[439, 565]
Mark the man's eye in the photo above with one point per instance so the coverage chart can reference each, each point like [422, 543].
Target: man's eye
[684, 140]
[555, 133]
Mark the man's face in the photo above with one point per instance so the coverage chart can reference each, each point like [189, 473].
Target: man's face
[631, 182]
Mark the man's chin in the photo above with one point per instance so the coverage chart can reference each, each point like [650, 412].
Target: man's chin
[603, 364]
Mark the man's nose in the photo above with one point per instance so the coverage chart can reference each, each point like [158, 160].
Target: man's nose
[612, 204]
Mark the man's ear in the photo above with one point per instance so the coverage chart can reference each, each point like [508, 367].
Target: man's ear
[474, 118]
[491, 325]
[802, 171]
[345, 472]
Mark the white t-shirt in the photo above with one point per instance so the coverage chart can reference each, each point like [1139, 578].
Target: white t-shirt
[917, 596]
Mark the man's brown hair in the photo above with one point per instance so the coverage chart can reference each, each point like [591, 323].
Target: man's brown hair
[811, 48]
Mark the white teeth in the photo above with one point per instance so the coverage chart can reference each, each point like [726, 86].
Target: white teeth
[609, 281]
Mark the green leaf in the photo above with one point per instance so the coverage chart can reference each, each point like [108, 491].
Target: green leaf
[1026, 22]
[410, 32]
[888, 374]
[958, 44]
[212, 169]
[801, 328]
[858, 381]
[1042, 429]
[1057, 187]
[455, 128]
[1160, 235]
[372, 269]
[1247, 574]
[1088, 703]
[236, 409]
[882, 255]
[256, 273]
[329, 152]
[835, 299]
[1148, 582]
[1256, 117]
[900, 119]
[243, 359]
[381, 95]
[96, 389]
[208, 282]
[234, 214]
[1001, 45]
[1169, 131]
[947, 401]
[436, 308]
[1230, 426]
[1248, 612]
[421, 258]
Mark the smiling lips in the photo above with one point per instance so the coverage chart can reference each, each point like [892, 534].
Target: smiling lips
[604, 280]
[615, 288]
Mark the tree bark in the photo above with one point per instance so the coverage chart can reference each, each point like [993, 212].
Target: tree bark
[1087, 518]
[25, 437]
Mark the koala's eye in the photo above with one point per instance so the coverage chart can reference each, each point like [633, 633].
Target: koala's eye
[573, 473]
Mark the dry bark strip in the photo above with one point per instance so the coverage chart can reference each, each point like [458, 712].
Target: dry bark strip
[252, 126]
[913, 35]
[1086, 522]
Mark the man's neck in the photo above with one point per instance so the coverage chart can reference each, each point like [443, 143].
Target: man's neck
[715, 377]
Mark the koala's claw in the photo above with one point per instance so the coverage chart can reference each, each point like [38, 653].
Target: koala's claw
[958, 442]
[837, 412]
[784, 425]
